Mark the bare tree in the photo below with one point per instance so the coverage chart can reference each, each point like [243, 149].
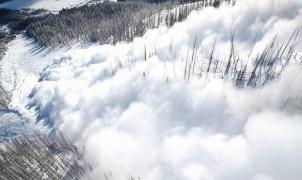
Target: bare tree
[41, 157]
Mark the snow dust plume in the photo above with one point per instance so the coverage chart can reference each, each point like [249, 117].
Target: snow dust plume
[131, 108]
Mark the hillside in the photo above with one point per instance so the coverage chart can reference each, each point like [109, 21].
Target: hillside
[215, 95]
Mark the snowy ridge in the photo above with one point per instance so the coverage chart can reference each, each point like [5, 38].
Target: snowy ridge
[51, 5]
[130, 106]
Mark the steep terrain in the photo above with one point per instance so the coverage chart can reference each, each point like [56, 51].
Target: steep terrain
[214, 97]
[155, 109]
[21, 66]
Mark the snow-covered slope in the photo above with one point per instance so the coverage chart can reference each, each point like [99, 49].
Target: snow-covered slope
[131, 108]
[21, 67]
[20, 71]
[52, 5]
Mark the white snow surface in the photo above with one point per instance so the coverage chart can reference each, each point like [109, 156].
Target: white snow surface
[52, 5]
[20, 71]
[142, 119]
[21, 67]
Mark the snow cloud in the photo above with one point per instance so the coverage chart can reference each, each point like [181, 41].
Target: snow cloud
[140, 118]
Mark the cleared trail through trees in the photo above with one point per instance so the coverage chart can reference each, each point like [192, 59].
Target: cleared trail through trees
[20, 70]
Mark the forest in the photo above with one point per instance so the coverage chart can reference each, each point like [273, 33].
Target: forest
[107, 22]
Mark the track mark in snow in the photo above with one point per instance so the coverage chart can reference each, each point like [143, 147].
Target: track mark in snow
[21, 68]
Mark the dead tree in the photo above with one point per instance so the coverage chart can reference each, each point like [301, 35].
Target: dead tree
[41, 157]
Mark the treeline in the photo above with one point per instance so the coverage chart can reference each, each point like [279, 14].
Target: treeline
[4, 95]
[18, 20]
[108, 22]
[208, 2]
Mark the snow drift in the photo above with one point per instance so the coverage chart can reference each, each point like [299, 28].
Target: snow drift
[131, 108]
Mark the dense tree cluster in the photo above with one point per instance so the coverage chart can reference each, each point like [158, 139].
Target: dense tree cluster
[3, 48]
[107, 22]
[18, 20]
[4, 95]
[41, 157]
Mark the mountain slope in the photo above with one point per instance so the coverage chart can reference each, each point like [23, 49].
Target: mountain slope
[151, 109]
[20, 71]
[166, 106]
[51, 5]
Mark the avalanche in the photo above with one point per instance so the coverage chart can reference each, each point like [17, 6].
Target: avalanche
[137, 116]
